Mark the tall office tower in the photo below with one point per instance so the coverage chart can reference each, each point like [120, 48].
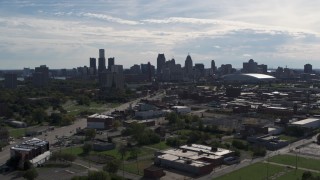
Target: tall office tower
[101, 53]
[102, 61]
[188, 65]
[10, 81]
[110, 63]
[250, 66]
[307, 68]
[93, 65]
[213, 66]
[41, 76]
[161, 61]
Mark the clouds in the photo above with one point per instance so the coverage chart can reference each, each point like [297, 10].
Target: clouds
[131, 30]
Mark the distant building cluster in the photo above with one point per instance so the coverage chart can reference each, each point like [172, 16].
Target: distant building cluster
[111, 75]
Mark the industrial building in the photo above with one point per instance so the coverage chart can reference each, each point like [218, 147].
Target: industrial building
[195, 159]
[310, 123]
[99, 121]
[181, 109]
[34, 150]
[248, 78]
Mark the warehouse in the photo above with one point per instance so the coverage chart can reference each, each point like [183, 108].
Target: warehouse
[310, 123]
[99, 121]
[181, 109]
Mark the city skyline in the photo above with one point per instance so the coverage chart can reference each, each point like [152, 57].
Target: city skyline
[65, 34]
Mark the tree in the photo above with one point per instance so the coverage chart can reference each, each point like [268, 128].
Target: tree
[83, 100]
[87, 147]
[31, 174]
[39, 115]
[122, 151]
[172, 117]
[112, 166]
[55, 118]
[90, 134]
[307, 175]
[116, 124]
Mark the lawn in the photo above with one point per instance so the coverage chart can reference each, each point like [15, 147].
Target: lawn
[132, 166]
[259, 171]
[114, 152]
[287, 138]
[302, 161]
[161, 145]
[117, 155]
[253, 172]
[74, 109]
[17, 132]
[73, 150]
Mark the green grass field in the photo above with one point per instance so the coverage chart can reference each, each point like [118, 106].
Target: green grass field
[161, 145]
[17, 132]
[114, 152]
[287, 138]
[301, 161]
[74, 109]
[133, 168]
[259, 171]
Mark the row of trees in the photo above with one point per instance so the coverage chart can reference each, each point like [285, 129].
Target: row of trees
[141, 134]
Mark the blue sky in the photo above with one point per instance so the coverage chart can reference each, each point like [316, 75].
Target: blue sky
[65, 33]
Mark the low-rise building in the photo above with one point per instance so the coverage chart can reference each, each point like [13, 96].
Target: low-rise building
[34, 150]
[310, 123]
[99, 121]
[195, 159]
[181, 109]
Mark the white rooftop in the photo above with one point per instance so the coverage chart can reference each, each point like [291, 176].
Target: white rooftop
[259, 76]
[100, 116]
[206, 149]
[305, 121]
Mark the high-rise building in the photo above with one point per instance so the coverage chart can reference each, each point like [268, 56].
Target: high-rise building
[250, 67]
[93, 65]
[10, 80]
[308, 68]
[188, 65]
[102, 61]
[110, 62]
[101, 53]
[41, 76]
[161, 61]
[213, 66]
[135, 69]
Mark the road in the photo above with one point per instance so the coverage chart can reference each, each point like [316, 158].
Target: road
[66, 130]
[228, 169]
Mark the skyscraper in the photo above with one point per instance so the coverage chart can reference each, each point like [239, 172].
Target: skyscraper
[93, 65]
[102, 61]
[161, 60]
[41, 76]
[110, 63]
[188, 65]
[307, 68]
[213, 66]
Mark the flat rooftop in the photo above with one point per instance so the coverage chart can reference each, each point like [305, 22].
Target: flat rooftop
[305, 121]
[29, 145]
[190, 154]
[206, 149]
[180, 160]
[100, 116]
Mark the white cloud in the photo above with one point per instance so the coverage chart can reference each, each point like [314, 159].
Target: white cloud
[109, 18]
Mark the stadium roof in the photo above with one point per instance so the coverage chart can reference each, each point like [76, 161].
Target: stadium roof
[251, 77]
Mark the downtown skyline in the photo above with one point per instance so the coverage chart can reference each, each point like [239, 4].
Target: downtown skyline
[66, 33]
